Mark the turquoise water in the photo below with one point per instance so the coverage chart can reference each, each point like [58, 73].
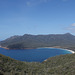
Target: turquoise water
[33, 55]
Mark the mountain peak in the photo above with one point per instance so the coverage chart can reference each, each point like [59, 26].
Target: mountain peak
[68, 34]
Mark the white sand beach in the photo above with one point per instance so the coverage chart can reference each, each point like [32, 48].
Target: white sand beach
[62, 49]
[70, 50]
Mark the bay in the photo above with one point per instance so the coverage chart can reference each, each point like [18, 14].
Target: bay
[33, 55]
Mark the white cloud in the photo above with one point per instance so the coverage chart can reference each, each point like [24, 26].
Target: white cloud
[71, 28]
[28, 3]
[36, 2]
[73, 24]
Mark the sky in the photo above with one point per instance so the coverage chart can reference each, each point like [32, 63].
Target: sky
[19, 17]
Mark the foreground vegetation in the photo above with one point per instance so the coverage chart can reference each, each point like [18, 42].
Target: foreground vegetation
[59, 65]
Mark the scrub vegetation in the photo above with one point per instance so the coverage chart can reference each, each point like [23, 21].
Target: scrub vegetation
[58, 65]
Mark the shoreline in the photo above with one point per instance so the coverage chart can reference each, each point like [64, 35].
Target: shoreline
[15, 48]
[45, 47]
[4, 48]
[62, 49]
[70, 51]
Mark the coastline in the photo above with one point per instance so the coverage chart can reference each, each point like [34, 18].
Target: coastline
[4, 47]
[62, 49]
[46, 47]
[58, 47]
[15, 48]
[70, 51]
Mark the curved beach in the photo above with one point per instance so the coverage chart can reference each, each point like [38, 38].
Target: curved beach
[62, 49]
[70, 51]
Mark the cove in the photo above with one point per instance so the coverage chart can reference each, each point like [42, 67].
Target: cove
[33, 55]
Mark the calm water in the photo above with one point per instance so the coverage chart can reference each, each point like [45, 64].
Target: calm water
[33, 55]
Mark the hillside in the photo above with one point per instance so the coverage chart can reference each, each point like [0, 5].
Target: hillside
[59, 65]
[34, 41]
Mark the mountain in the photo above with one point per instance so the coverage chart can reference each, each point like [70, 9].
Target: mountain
[35, 41]
[58, 65]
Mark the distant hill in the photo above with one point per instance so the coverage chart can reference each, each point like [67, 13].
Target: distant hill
[35, 41]
[59, 65]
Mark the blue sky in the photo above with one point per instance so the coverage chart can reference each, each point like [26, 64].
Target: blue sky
[18, 17]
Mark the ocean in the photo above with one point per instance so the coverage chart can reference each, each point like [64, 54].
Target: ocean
[33, 55]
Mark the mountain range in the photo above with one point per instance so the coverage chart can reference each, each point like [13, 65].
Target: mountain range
[34, 41]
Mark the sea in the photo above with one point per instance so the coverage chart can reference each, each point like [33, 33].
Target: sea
[33, 55]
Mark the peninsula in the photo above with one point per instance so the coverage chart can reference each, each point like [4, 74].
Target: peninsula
[28, 41]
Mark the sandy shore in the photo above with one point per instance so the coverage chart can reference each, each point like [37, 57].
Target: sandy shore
[62, 49]
[4, 47]
[70, 50]
[47, 47]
